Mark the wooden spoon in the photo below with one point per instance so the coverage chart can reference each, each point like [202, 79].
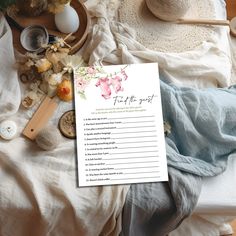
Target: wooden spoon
[231, 24]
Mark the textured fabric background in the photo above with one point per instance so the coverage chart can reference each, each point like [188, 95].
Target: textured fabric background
[38, 189]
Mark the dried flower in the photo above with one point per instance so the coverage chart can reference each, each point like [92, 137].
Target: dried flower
[43, 65]
[56, 6]
[49, 72]
[54, 79]
[30, 99]
[71, 63]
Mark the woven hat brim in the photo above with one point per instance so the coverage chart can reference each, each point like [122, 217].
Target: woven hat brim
[159, 35]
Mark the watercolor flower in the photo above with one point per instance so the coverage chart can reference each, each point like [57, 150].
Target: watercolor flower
[91, 70]
[81, 84]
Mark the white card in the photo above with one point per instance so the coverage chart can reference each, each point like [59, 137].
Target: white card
[119, 125]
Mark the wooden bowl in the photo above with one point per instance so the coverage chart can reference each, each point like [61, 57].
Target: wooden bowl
[47, 20]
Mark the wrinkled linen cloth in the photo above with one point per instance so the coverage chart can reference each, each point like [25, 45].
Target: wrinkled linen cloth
[38, 189]
[203, 136]
[203, 129]
[29, 173]
[158, 208]
[9, 86]
[209, 65]
[111, 42]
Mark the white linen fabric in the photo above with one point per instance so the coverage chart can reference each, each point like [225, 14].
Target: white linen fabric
[38, 191]
[204, 225]
[216, 206]
[9, 87]
[210, 65]
[232, 41]
[38, 194]
[220, 186]
[111, 42]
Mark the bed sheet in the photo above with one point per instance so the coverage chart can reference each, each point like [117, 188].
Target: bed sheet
[217, 202]
[121, 47]
[37, 189]
[218, 195]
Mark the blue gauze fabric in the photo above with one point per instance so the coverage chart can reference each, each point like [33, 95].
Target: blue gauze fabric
[203, 127]
[202, 137]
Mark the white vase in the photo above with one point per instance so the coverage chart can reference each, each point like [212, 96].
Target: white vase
[67, 21]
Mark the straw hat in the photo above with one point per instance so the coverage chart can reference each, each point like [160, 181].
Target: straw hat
[164, 36]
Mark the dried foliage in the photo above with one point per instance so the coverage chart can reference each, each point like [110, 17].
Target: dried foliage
[35, 7]
[56, 6]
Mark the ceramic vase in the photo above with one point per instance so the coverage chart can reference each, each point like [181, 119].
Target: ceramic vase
[67, 21]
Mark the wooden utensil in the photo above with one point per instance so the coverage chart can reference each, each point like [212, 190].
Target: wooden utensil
[231, 9]
[231, 24]
[203, 21]
[40, 118]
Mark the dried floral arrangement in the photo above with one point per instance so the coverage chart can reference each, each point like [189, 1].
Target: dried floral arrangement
[56, 6]
[48, 73]
[34, 7]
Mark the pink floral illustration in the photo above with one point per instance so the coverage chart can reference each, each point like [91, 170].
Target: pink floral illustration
[81, 84]
[104, 84]
[108, 82]
[113, 81]
[91, 70]
[124, 74]
[116, 84]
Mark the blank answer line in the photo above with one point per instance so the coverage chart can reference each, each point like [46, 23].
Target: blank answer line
[126, 163]
[135, 132]
[150, 136]
[154, 177]
[142, 167]
[130, 117]
[128, 158]
[132, 173]
[142, 121]
[137, 147]
[132, 152]
[151, 141]
[136, 127]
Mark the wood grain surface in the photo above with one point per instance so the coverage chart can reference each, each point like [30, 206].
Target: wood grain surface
[231, 8]
[234, 227]
[40, 118]
[47, 20]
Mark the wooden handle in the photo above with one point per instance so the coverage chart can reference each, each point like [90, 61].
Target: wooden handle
[203, 21]
[40, 118]
[69, 39]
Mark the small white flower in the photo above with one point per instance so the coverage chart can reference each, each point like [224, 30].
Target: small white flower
[72, 62]
[54, 79]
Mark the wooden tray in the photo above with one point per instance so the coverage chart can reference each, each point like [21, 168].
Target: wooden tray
[231, 9]
[47, 20]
